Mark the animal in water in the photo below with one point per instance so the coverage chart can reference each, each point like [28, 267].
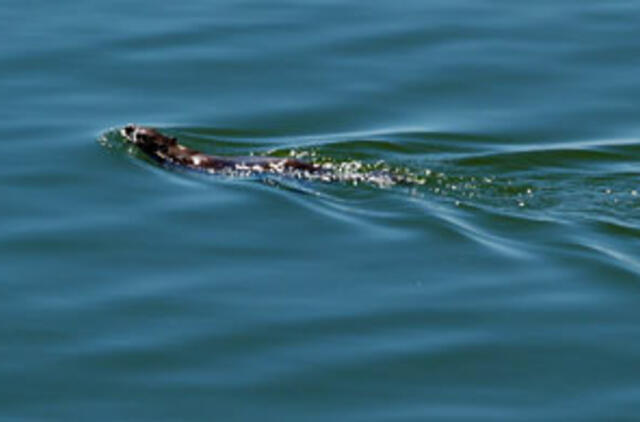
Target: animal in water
[166, 150]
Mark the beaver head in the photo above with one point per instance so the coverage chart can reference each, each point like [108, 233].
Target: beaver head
[149, 140]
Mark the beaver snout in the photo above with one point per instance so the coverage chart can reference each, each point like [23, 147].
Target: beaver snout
[128, 132]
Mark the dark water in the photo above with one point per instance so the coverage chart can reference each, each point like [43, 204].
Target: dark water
[502, 285]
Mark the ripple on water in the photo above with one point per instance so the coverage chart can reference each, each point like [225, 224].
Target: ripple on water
[583, 180]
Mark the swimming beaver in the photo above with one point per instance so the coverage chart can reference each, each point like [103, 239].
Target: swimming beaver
[167, 150]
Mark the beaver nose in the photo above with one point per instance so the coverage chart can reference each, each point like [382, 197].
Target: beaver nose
[128, 130]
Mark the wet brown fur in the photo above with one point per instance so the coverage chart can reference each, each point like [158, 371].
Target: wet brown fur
[165, 149]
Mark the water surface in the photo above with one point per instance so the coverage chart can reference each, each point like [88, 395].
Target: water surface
[501, 285]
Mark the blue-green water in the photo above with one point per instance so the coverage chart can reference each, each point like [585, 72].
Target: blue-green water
[505, 285]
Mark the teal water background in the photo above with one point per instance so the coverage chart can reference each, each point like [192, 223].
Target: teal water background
[505, 286]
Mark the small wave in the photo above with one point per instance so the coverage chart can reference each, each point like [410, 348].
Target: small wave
[568, 180]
